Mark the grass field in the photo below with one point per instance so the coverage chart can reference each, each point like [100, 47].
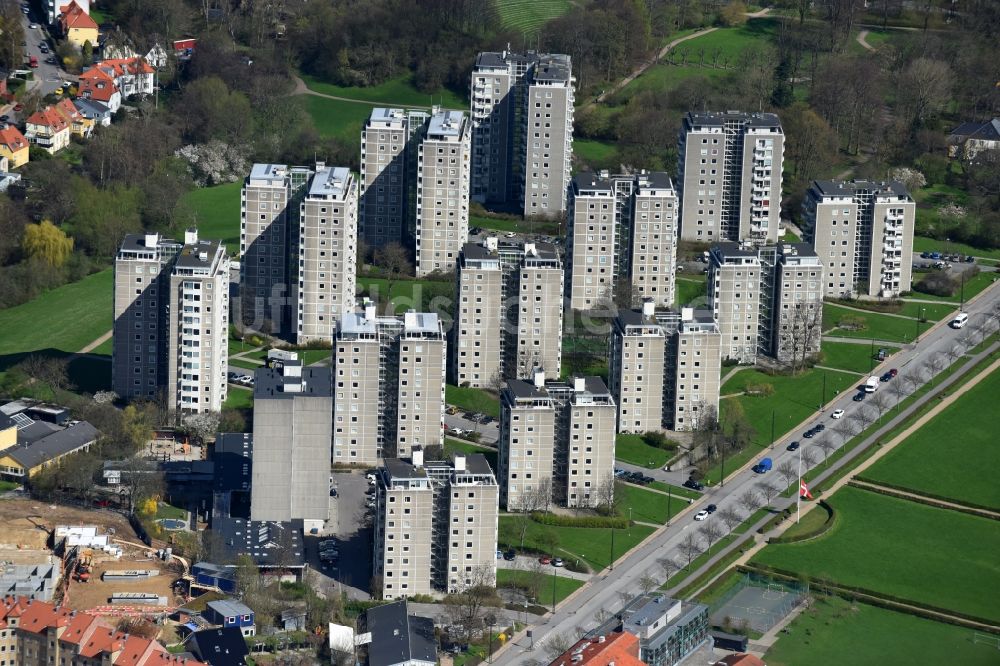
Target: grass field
[955, 470]
[595, 154]
[972, 287]
[647, 506]
[105, 348]
[472, 400]
[218, 213]
[930, 311]
[335, 118]
[850, 356]
[405, 295]
[238, 398]
[834, 631]
[399, 91]
[527, 16]
[592, 545]
[67, 319]
[632, 449]
[690, 290]
[904, 549]
[925, 244]
[876, 326]
[563, 586]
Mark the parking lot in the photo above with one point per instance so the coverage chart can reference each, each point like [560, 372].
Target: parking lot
[351, 529]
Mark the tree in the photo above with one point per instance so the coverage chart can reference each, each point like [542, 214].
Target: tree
[669, 566]
[769, 491]
[201, 426]
[880, 401]
[788, 471]
[826, 445]
[648, 583]
[690, 549]
[730, 516]
[734, 14]
[394, 260]
[466, 610]
[750, 500]
[606, 497]
[898, 388]
[208, 109]
[923, 89]
[140, 481]
[556, 644]
[711, 532]
[937, 362]
[809, 141]
[863, 417]
[47, 243]
[808, 458]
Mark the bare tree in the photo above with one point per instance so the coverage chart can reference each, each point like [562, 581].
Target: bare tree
[911, 381]
[769, 491]
[898, 389]
[788, 471]
[605, 497]
[730, 516]
[601, 615]
[467, 609]
[880, 401]
[863, 417]
[690, 548]
[556, 644]
[952, 353]
[826, 445]
[808, 457]
[937, 362]
[924, 372]
[711, 532]
[846, 429]
[647, 583]
[750, 500]
[669, 566]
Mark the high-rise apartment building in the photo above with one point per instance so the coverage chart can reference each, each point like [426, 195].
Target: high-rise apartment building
[171, 321]
[505, 322]
[436, 525]
[388, 375]
[138, 361]
[557, 443]
[522, 119]
[622, 239]
[729, 176]
[665, 368]
[442, 214]
[766, 300]
[291, 444]
[327, 253]
[388, 155]
[198, 326]
[269, 209]
[862, 231]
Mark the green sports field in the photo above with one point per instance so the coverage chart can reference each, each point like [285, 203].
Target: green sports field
[952, 455]
[938, 557]
[527, 16]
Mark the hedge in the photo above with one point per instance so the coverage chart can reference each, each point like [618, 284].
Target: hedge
[964, 507]
[805, 536]
[554, 520]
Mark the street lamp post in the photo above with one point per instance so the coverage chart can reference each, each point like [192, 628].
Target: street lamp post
[772, 428]
[669, 497]
[612, 548]
[822, 404]
[490, 621]
[554, 589]
[920, 316]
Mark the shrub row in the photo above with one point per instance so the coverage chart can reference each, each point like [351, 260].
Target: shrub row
[579, 521]
[920, 497]
[775, 521]
[812, 534]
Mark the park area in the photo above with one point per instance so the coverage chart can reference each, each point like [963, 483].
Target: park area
[902, 549]
[842, 322]
[543, 586]
[949, 456]
[835, 631]
[590, 545]
[634, 450]
[852, 357]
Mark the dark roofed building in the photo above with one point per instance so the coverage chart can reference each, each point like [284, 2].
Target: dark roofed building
[219, 647]
[233, 458]
[969, 139]
[399, 638]
[273, 546]
[34, 435]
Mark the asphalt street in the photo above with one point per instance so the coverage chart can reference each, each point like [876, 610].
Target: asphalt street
[603, 594]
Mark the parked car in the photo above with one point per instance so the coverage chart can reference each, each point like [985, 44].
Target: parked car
[558, 562]
[818, 428]
[701, 515]
[619, 472]
[792, 446]
[711, 508]
[893, 372]
[499, 554]
[510, 555]
[837, 414]
[925, 255]
[859, 396]
[960, 320]
[969, 259]
[545, 559]
[809, 434]
[763, 466]
[694, 485]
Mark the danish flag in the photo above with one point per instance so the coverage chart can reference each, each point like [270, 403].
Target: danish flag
[804, 491]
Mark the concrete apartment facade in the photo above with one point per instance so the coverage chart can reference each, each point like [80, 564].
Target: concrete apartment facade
[798, 325]
[696, 346]
[522, 119]
[862, 231]
[653, 240]
[389, 376]
[269, 208]
[557, 443]
[638, 369]
[506, 324]
[292, 431]
[590, 260]
[327, 253]
[198, 326]
[729, 176]
[385, 178]
[442, 215]
[138, 363]
[436, 525]
[734, 295]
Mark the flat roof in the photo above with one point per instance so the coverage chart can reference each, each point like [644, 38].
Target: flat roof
[477, 252]
[331, 182]
[657, 180]
[477, 464]
[732, 249]
[848, 188]
[384, 114]
[590, 181]
[522, 389]
[260, 171]
[314, 382]
[190, 256]
[137, 243]
[421, 322]
[269, 543]
[401, 469]
[356, 322]
[233, 460]
[554, 67]
[719, 118]
[446, 124]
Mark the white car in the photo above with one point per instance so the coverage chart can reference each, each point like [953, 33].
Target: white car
[837, 414]
[33, 26]
[701, 515]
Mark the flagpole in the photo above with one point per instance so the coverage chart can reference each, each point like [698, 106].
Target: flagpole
[798, 495]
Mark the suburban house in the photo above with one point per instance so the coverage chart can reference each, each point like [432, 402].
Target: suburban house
[77, 26]
[132, 76]
[231, 613]
[98, 85]
[219, 647]
[13, 146]
[91, 109]
[36, 435]
[79, 124]
[47, 129]
[969, 139]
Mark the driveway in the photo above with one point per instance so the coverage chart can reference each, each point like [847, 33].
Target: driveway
[489, 432]
[350, 525]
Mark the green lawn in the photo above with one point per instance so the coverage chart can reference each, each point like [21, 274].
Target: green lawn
[690, 290]
[876, 326]
[850, 356]
[595, 154]
[936, 556]
[677, 491]
[7, 486]
[647, 506]
[926, 244]
[972, 287]
[527, 16]
[592, 545]
[834, 631]
[419, 295]
[218, 213]
[164, 510]
[68, 318]
[632, 449]
[932, 312]
[472, 400]
[238, 398]
[334, 118]
[563, 586]
[310, 356]
[247, 365]
[950, 455]
[105, 348]
[397, 92]
[452, 445]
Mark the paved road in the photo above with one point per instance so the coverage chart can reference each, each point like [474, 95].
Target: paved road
[489, 432]
[603, 594]
[47, 77]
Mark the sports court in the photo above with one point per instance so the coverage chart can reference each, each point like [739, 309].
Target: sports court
[757, 603]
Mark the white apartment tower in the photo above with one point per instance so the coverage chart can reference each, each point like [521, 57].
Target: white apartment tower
[638, 369]
[592, 226]
[522, 119]
[798, 317]
[388, 376]
[734, 295]
[729, 176]
[863, 233]
[269, 211]
[436, 525]
[198, 326]
[591, 416]
[476, 345]
[527, 445]
[653, 239]
[327, 253]
[442, 213]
